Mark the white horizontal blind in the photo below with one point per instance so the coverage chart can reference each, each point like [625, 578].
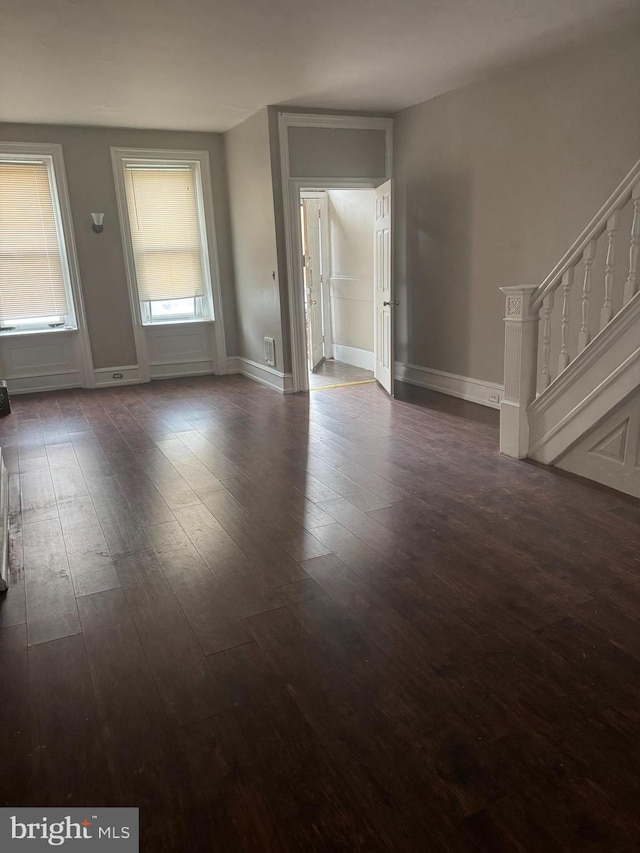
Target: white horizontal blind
[165, 228]
[32, 282]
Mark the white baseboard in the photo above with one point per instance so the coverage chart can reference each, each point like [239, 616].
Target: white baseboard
[234, 364]
[175, 369]
[265, 375]
[352, 355]
[45, 382]
[473, 390]
[107, 377]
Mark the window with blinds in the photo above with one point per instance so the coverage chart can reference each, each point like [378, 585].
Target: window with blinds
[168, 239]
[35, 292]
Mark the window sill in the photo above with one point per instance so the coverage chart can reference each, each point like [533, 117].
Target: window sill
[21, 333]
[161, 323]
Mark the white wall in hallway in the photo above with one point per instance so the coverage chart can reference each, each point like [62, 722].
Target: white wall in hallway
[351, 280]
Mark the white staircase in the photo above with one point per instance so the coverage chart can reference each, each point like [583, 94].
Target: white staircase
[572, 353]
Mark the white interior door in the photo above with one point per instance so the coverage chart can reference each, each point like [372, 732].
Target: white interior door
[312, 280]
[383, 288]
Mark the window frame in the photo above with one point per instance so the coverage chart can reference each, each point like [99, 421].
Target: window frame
[51, 154]
[141, 309]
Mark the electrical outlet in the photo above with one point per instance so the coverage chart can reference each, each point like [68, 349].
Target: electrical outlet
[494, 397]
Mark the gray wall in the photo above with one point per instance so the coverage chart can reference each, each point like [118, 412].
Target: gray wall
[254, 237]
[326, 152]
[494, 182]
[91, 187]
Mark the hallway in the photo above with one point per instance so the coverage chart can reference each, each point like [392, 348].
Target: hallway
[315, 622]
[332, 373]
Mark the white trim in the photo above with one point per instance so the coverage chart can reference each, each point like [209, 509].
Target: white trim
[181, 367]
[464, 387]
[54, 150]
[233, 364]
[352, 355]
[290, 197]
[104, 376]
[210, 247]
[266, 375]
[623, 321]
[325, 253]
[561, 437]
[58, 381]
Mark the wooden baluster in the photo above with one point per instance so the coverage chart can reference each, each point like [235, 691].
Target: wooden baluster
[607, 309]
[631, 285]
[547, 309]
[567, 282]
[588, 255]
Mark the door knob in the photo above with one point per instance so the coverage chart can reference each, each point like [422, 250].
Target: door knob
[392, 303]
[313, 302]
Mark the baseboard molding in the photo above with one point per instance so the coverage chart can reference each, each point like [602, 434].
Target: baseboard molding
[175, 369]
[354, 356]
[45, 382]
[233, 364]
[265, 375]
[473, 390]
[104, 376]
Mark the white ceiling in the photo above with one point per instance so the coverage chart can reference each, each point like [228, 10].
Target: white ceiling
[208, 64]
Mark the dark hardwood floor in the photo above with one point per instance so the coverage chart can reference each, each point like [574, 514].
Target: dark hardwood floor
[325, 622]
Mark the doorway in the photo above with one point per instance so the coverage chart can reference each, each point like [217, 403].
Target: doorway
[337, 232]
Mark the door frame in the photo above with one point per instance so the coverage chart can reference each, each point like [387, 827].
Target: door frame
[291, 188]
[322, 196]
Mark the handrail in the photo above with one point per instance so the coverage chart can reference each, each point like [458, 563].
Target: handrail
[594, 229]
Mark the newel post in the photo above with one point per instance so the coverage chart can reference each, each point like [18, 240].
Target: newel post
[520, 362]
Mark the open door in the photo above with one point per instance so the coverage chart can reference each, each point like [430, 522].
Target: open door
[383, 289]
[310, 210]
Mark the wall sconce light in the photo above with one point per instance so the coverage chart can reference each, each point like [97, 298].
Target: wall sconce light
[97, 222]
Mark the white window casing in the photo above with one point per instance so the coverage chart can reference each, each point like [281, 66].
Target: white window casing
[166, 237]
[36, 264]
[160, 249]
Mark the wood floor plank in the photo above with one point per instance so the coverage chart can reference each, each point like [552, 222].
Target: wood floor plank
[176, 659]
[302, 788]
[143, 759]
[291, 651]
[214, 618]
[15, 737]
[189, 466]
[38, 495]
[122, 529]
[276, 529]
[90, 563]
[245, 583]
[269, 540]
[51, 605]
[67, 762]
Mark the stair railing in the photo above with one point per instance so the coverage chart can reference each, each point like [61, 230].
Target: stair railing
[531, 335]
